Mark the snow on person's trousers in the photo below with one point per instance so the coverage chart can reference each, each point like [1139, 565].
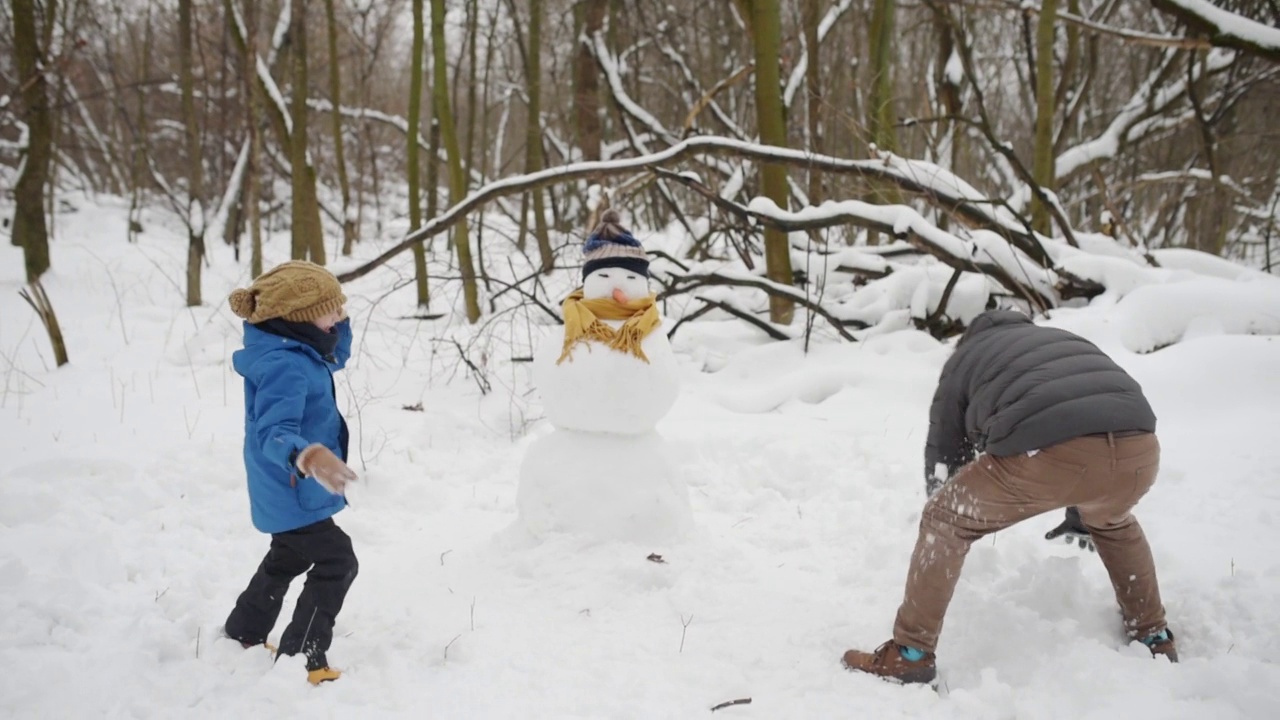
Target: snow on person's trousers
[326, 551]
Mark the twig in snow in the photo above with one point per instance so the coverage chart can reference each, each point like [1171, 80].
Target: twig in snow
[446, 552]
[706, 308]
[932, 321]
[684, 628]
[446, 647]
[731, 703]
[768, 329]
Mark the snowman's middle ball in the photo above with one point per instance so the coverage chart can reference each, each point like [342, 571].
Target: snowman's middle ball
[598, 389]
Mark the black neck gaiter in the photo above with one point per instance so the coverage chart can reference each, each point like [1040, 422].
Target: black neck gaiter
[305, 333]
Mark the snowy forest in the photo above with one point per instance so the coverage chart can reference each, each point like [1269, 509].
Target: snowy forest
[827, 192]
[1003, 139]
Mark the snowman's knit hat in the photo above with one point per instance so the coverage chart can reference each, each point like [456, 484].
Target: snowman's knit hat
[611, 245]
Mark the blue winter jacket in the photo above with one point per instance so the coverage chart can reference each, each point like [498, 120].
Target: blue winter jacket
[289, 403]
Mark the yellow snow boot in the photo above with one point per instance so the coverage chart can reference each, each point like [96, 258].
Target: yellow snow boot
[324, 674]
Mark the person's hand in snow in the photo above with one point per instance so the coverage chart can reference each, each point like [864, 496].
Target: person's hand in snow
[1072, 529]
[319, 462]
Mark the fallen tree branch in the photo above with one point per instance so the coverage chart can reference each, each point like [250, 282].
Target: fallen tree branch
[846, 214]
[768, 329]
[690, 317]
[907, 175]
[699, 280]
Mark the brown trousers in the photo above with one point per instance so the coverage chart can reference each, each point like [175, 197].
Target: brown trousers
[1104, 476]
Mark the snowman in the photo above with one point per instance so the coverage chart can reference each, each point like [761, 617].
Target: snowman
[603, 472]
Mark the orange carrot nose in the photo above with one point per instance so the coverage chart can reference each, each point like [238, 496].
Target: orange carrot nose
[620, 297]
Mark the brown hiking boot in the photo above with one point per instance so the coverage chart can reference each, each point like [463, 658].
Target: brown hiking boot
[887, 662]
[1162, 643]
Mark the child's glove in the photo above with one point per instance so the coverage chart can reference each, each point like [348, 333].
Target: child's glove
[319, 462]
[1073, 530]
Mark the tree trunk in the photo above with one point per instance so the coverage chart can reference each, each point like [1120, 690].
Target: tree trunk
[949, 103]
[881, 117]
[29, 229]
[349, 234]
[533, 138]
[415, 193]
[139, 144]
[433, 165]
[195, 161]
[308, 234]
[249, 55]
[1042, 167]
[473, 22]
[766, 28]
[586, 97]
[813, 87]
[449, 135]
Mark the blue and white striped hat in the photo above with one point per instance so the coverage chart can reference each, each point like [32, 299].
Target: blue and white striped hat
[611, 245]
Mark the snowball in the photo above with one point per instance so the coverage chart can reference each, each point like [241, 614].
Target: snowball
[602, 486]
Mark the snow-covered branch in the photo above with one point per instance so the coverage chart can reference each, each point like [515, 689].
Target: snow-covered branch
[1134, 37]
[1153, 98]
[937, 185]
[612, 75]
[1225, 28]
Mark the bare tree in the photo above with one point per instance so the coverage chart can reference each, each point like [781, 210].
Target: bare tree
[766, 36]
[415, 194]
[29, 229]
[308, 234]
[1042, 165]
[349, 231]
[449, 136]
[533, 135]
[195, 160]
[586, 96]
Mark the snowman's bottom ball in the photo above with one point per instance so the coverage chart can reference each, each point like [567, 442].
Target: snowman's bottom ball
[599, 389]
[603, 486]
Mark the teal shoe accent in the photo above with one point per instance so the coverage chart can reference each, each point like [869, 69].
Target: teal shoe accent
[1152, 640]
[911, 654]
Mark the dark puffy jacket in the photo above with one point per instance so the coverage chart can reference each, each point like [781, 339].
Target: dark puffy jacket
[1012, 386]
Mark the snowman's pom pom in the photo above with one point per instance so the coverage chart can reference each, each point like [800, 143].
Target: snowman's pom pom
[610, 230]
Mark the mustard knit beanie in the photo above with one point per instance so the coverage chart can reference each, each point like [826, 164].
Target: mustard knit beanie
[297, 291]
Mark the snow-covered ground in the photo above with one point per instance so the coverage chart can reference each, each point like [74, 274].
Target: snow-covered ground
[125, 534]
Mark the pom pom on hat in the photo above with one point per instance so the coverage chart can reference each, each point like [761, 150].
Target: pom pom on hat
[612, 245]
[242, 302]
[296, 291]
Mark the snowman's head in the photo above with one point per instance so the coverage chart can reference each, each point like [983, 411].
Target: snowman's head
[614, 263]
[617, 282]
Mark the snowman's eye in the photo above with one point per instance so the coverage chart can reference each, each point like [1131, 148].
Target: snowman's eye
[604, 275]
[631, 277]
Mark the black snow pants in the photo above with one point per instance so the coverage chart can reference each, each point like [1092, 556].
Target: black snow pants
[325, 550]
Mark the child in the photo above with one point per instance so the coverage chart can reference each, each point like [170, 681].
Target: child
[296, 335]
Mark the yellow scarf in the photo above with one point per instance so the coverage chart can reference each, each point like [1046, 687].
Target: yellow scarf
[582, 322]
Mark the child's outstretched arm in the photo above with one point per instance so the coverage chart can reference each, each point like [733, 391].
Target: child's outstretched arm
[278, 405]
